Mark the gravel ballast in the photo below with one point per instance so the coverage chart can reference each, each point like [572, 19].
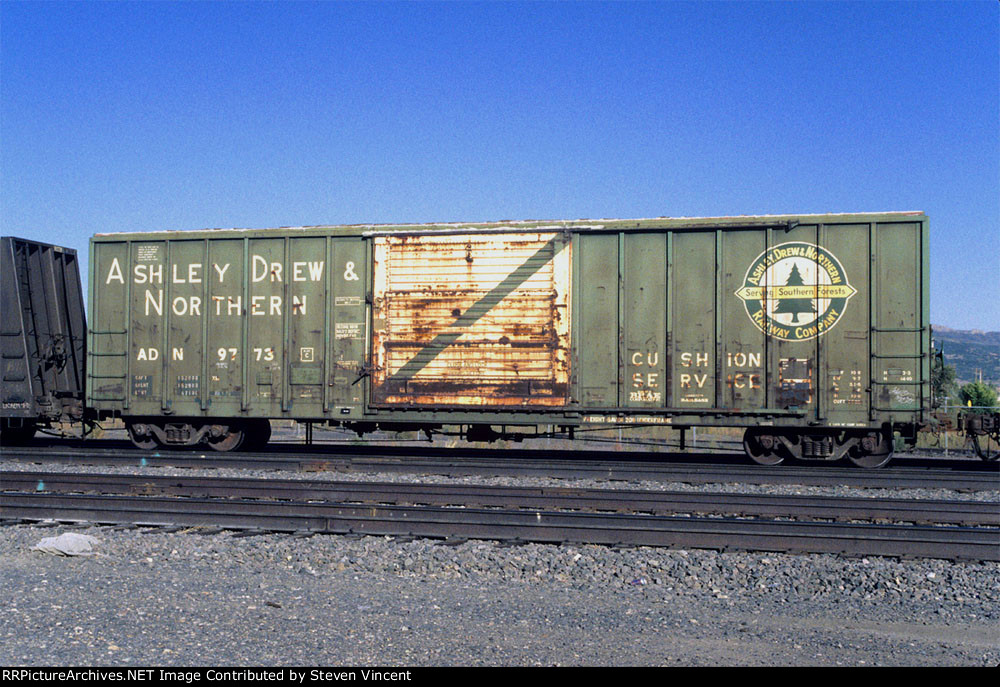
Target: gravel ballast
[156, 598]
[149, 597]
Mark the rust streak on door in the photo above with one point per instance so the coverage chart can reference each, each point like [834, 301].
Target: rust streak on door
[472, 320]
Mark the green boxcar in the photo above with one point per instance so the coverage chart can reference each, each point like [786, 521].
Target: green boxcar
[810, 331]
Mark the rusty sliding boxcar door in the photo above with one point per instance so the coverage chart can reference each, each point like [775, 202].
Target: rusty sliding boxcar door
[471, 319]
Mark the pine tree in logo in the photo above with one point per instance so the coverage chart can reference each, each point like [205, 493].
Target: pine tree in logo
[794, 306]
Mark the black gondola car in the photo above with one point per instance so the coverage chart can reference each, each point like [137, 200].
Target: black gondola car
[43, 336]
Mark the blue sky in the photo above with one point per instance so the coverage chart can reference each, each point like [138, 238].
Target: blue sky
[151, 116]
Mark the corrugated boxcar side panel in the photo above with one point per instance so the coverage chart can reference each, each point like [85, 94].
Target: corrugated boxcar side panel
[844, 346]
[794, 332]
[305, 287]
[223, 365]
[229, 326]
[291, 321]
[476, 319]
[743, 352]
[789, 310]
[263, 351]
[899, 332]
[186, 307]
[595, 336]
[644, 288]
[148, 310]
[108, 362]
[749, 319]
[348, 329]
[693, 286]
[286, 326]
[815, 318]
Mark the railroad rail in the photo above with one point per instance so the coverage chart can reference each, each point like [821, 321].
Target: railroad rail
[518, 515]
[973, 476]
[970, 513]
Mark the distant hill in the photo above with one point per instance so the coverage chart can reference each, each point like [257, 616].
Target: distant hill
[969, 350]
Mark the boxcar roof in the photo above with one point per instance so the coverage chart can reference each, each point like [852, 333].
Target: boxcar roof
[735, 222]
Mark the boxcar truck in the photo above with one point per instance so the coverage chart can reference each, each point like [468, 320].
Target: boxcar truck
[808, 332]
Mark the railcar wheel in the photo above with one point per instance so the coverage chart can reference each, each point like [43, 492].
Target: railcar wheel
[872, 451]
[230, 438]
[142, 436]
[762, 449]
[988, 454]
[871, 460]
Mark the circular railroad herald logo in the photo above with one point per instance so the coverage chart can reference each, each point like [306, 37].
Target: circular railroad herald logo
[795, 291]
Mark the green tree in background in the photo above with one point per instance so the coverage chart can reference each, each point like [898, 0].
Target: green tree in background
[980, 394]
[943, 381]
